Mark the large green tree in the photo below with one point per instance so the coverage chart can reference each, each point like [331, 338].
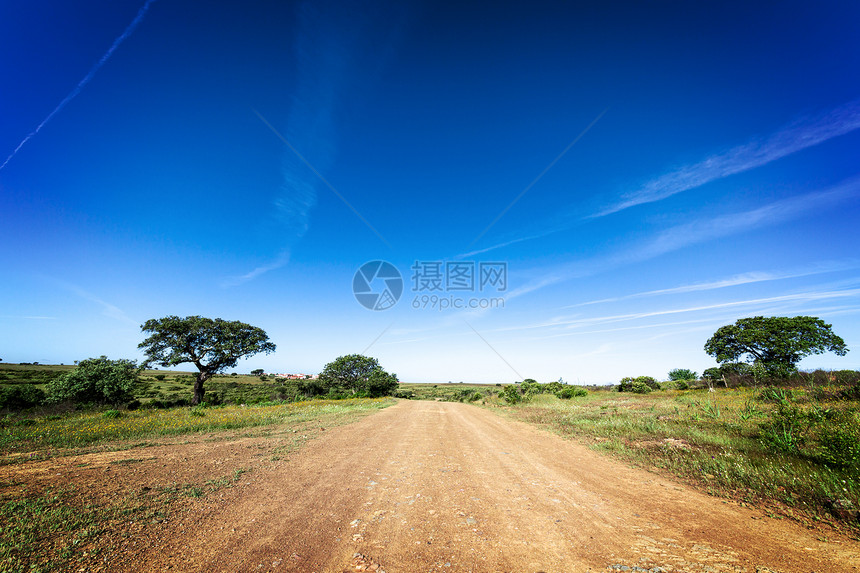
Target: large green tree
[211, 345]
[777, 343]
[355, 373]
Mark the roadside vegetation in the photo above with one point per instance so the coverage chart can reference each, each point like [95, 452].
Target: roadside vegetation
[41, 436]
[791, 446]
[62, 525]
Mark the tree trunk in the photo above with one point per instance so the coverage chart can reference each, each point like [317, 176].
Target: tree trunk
[198, 388]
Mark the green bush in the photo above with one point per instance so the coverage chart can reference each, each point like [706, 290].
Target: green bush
[638, 387]
[682, 374]
[111, 414]
[569, 392]
[553, 387]
[787, 429]
[96, 380]
[642, 384]
[160, 377]
[476, 396]
[20, 396]
[512, 394]
[839, 441]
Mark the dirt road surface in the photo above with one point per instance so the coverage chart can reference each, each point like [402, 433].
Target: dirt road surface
[426, 486]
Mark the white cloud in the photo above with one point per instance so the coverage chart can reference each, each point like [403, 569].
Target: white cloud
[698, 231]
[791, 139]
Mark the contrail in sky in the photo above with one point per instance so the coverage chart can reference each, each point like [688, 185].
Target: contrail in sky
[796, 137]
[86, 80]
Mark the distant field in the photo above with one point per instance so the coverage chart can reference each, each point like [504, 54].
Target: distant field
[451, 392]
[169, 386]
[165, 386]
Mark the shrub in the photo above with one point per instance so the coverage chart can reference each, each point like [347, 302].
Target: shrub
[571, 392]
[839, 441]
[530, 388]
[96, 380]
[511, 394]
[787, 429]
[627, 384]
[639, 387]
[160, 377]
[20, 396]
[111, 414]
[850, 393]
[553, 387]
[475, 397]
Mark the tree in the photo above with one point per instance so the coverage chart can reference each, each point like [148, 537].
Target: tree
[257, 372]
[96, 380]
[682, 374]
[774, 343]
[211, 345]
[355, 374]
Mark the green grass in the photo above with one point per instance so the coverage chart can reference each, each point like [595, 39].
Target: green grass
[52, 530]
[79, 429]
[712, 440]
[452, 392]
[65, 530]
[46, 525]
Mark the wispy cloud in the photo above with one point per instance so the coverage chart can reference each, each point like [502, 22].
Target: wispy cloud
[734, 223]
[795, 137]
[736, 280]
[696, 232]
[791, 139]
[334, 50]
[81, 84]
[577, 322]
[277, 263]
[109, 310]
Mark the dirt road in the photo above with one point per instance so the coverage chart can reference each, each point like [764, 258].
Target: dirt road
[424, 486]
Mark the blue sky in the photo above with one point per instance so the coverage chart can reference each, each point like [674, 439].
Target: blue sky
[648, 172]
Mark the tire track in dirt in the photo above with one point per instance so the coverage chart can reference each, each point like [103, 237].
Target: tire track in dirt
[427, 486]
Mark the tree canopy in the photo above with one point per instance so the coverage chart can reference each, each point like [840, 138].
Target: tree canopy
[776, 343]
[357, 374]
[210, 344]
[682, 374]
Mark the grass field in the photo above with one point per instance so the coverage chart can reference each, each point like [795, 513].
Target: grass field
[59, 524]
[44, 435]
[795, 450]
[722, 442]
